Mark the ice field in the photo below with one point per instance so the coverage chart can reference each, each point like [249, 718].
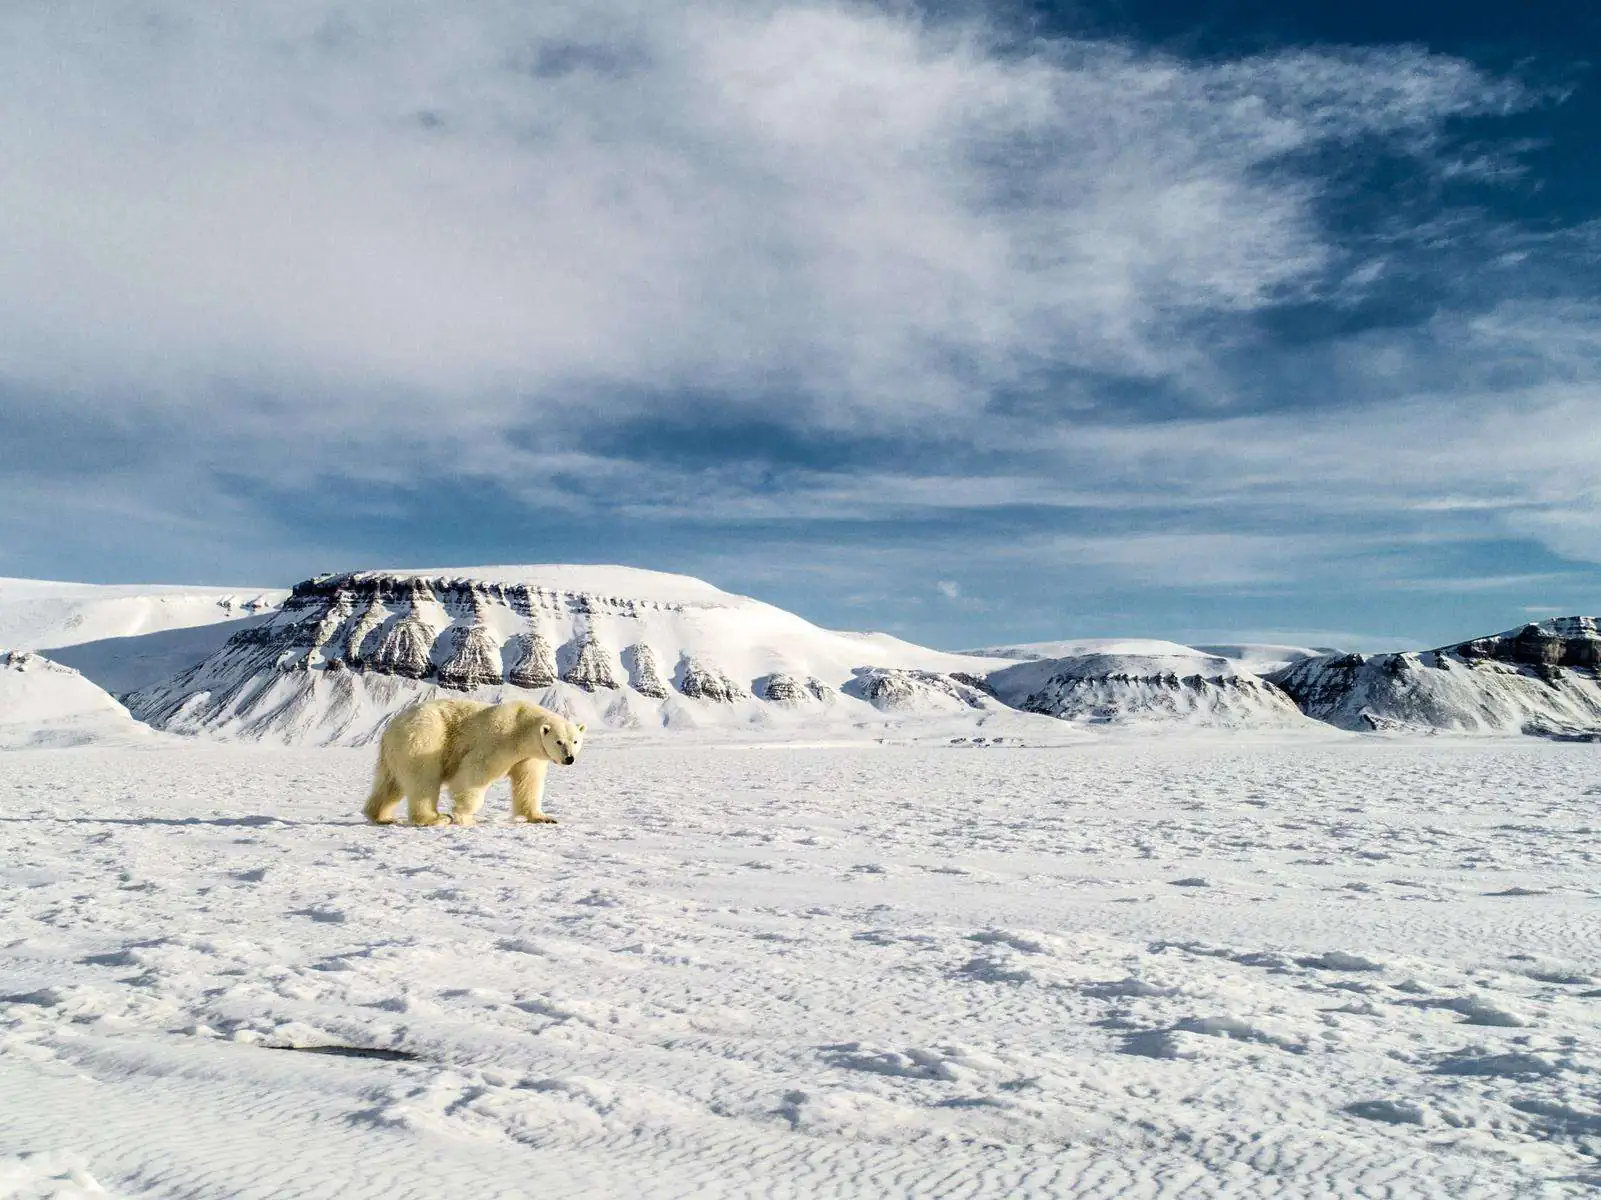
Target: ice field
[1136, 968]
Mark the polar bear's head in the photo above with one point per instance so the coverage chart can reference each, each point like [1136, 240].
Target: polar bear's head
[561, 740]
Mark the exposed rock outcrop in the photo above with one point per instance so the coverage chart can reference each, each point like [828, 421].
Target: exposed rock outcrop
[701, 680]
[476, 661]
[644, 673]
[782, 688]
[1220, 700]
[372, 619]
[591, 669]
[535, 663]
[328, 627]
[405, 644]
[1561, 642]
[345, 651]
[1104, 689]
[892, 690]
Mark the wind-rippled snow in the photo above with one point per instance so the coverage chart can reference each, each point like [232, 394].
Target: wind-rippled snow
[1198, 968]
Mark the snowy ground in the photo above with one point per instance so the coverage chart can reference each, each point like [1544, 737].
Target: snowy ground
[1349, 968]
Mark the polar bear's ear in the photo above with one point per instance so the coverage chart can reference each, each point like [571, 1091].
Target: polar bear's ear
[580, 729]
[544, 729]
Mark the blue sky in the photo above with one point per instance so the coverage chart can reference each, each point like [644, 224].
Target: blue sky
[976, 323]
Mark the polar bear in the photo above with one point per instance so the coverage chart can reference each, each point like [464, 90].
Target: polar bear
[466, 746]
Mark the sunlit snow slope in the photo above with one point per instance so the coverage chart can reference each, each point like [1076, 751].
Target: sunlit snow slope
[40, 614]
[44, 704]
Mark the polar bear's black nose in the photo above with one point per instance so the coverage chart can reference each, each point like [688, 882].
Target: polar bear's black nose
[568, 761]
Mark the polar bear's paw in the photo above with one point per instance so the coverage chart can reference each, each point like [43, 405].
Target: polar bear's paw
[430, 822]
[463, 819]
[540, 819]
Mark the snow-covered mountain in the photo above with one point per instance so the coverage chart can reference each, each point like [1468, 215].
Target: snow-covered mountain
[39, 614]
[616, 646]
[44, 704]
[1263, 658]
[622, 648]
[1540, 679]
[1187, 687]
[1254, 657]
[1079, 647]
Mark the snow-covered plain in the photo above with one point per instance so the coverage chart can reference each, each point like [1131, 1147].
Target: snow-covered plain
[1344, 966]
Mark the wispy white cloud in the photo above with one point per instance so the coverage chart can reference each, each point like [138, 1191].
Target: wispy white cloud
[383, 208]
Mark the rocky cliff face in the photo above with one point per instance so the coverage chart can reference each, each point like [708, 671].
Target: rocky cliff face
[534, 664]
[644, 672]
[1560, 642]
[1541, 679]
[784, 688]
[455, 634]
[591, 668]
[625, 648]
[704, 680]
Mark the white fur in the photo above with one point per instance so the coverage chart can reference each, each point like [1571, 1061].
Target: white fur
[465, 746]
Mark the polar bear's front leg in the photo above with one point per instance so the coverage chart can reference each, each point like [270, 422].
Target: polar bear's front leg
[528, 789]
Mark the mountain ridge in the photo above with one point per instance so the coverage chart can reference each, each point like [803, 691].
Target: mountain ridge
[345, 649]
[1542, 678]
[632, 649]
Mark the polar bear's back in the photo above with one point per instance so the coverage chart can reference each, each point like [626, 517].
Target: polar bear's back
[427, 729]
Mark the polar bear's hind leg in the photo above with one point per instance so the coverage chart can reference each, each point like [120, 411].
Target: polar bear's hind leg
[385, 797]
[422, 800]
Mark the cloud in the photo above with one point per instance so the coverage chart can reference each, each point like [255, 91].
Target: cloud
[948, 588]
[1072, 297]
[366, 212]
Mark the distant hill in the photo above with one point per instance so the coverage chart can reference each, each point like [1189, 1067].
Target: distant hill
[44, 704]
[1538, 679]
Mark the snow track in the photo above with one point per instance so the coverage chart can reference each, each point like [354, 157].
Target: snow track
[1351, 969]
